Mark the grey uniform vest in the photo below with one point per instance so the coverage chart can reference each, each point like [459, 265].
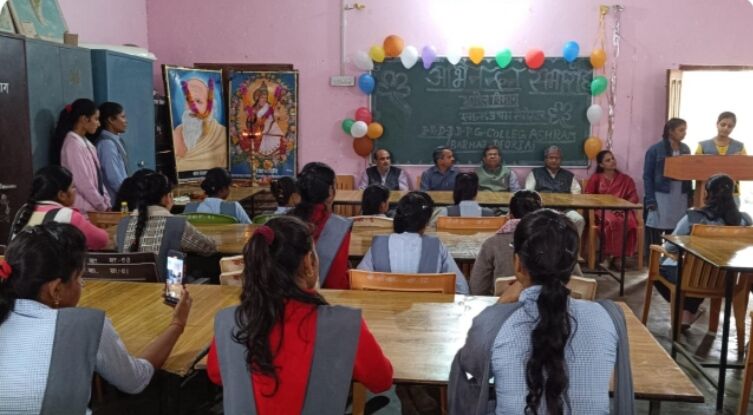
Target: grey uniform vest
[472, 395]
[329, 243]
[172, 237]
[226, 208]
[337, 333]
[392, 181]
[700, 216]
[454, 210]
[380, 254]
[74, 356]
[560, 183]
[709, 147]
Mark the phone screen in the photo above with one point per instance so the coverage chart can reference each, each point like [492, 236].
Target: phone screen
[174, 280]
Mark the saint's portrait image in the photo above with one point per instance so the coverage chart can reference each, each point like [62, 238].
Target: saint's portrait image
[197, 119]
[263, 122]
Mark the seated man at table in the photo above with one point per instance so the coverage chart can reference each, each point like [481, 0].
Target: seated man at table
[408, 250]
[384, 173]
[553, 179]
[492, 175]
[440, 176]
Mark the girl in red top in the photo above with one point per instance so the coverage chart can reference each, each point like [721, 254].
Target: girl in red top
[316, 184]
[278, 317]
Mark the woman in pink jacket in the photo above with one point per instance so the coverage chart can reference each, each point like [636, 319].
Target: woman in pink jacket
[77, 154]
[52, 195]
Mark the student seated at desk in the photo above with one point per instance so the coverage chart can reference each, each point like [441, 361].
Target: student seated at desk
[52, 198]
[49, 349]
[216, 185]
[549, 353]
[316, 182]
[129, 191]
[719, 209]
[375, 201]
[151, 227]
[408, 250]
[464, 195]
[286, 335]
[286, 194]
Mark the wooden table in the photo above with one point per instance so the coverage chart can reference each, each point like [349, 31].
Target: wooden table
[232, 238]
[728, 255]
[237, 193]
[419, 333]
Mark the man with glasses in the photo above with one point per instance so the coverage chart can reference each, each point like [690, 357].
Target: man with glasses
[492, 175]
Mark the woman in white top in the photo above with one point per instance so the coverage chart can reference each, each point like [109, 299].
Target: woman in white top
[404, 249]
[48, 347]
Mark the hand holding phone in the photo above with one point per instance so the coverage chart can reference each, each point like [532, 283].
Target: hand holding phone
[174, 277]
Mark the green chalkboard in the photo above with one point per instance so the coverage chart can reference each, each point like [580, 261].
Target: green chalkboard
[468, 106]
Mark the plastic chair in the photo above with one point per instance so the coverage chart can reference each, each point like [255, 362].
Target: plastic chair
[132, 266]
[701, 280]
[580, 288]
[263, 218]
[389, 281]
[209, 218]
[456, 224]
[231, 263]
[105, 220]
[234, 278]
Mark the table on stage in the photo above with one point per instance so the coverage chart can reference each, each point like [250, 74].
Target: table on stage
[420, 333]
[730, 256]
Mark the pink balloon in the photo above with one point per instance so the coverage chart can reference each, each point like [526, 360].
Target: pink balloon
[363, 114]
[428, 55]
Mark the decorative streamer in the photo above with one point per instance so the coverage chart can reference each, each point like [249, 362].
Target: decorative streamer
[612, 95]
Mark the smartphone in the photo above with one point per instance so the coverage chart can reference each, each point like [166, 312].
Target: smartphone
[174, 280]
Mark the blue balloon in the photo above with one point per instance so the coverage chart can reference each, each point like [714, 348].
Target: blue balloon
[366, 83]
[570, 51]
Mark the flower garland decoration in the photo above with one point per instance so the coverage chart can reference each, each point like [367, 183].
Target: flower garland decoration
[192, 104]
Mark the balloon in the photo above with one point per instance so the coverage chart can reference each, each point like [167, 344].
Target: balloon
[598, 85]
[476, 54]
[504, 58]
[534, 58]
[363, 114]
[598, 58]
[366, 83]
[375, 131]
[358, 129]
[453, 56]
[362, 61]
[347, 123]
[393, 46]
[409, 57]
[428, 56]
[376, 53]
[363, 146]
[594, 113]
[591, 147]
[570, 51]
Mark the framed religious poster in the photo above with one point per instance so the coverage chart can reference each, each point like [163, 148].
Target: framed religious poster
[197, 120]
[6, 22]
[263, 123]
[41, 19]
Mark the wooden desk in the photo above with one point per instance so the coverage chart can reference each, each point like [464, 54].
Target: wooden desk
[420, 333]
[729, 255]
[237, 193]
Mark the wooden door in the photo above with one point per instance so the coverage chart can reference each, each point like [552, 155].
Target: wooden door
[15, 144]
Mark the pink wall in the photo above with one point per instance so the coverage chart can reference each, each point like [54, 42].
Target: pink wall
[114, 22]
[657, 35]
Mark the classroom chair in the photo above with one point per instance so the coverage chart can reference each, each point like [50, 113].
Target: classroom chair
[263, 218]
[701, 280]
[131, 266]
[391, 281]
[345, 182]
[373, 222]
[457, 224]
[105, 220]
[198, 218]
[232, 278]
[231, 263]
[580, 288]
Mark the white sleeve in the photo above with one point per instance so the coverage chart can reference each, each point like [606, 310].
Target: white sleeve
[127, 373]
[367, 262]
[575, 186]
[363, 181]
[530, 182]
[448, 264]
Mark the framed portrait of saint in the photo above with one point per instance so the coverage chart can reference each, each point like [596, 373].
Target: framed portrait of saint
[6, 22]
[197, 120]
[41, 19]
[263, 124]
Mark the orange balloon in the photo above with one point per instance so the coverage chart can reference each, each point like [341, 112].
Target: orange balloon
[375, 131]
[598, 58]
[476, 54]
[591, 147]
[363, 146]
[393, 46]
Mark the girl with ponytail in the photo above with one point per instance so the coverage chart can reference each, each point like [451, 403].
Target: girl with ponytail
[76, 153]
[275, 327]
[52, 197]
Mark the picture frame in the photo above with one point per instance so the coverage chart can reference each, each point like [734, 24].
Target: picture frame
[263, 124]
[42, 19]
[198, 121]
[6, 20]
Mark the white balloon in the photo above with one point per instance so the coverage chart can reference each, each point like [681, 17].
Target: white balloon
[409, 57]
[594, 113]
[453, 56]
[358, 129]
[362, 61]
